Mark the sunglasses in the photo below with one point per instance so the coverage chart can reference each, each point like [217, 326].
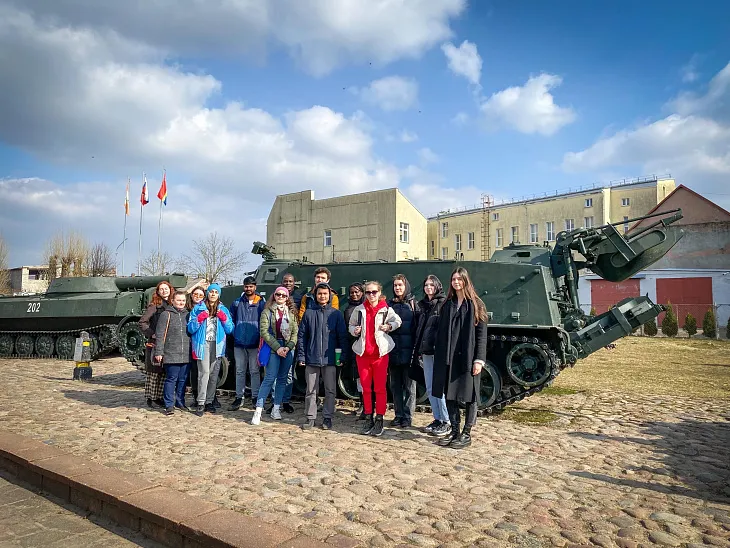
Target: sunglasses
[280, 295]
[374, 292]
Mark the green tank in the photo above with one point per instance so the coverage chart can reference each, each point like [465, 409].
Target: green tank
[536, 324]
[46, 325]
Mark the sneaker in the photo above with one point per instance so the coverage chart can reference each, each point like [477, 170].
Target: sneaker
[430, 428]
[216, 403]
[169, 411]
[269, 409]
[275, 413]
[462, 441]
[396, 421]
[199, 410]
[406, 423]
[182, 406]
[446, 440]
[377, 429]
[256, 419]
[444, 429]
[327, 424]
[236, 405]
[288, 408]
[209, 408]
[368, 426]
[362, 416]
[308, 425]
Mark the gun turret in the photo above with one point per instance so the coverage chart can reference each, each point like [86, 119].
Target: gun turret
[266, 251]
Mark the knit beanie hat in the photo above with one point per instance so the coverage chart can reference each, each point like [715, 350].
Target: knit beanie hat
[281, 289]
[214, 286]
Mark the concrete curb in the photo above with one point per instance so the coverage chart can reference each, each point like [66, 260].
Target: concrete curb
[162, 514]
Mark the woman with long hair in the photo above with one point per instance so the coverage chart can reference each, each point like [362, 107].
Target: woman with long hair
[370, 323]
[210, 322]
[427, 319]
[155, 374]
[278, 328]
[460, 354]
[196, 295]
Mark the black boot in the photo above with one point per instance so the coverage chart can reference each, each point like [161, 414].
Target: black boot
[377, 429]
[368, 426]
[464, 439]
[455, 418]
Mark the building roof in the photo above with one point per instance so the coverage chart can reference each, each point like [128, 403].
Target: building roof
[30, 267]
[674, 195]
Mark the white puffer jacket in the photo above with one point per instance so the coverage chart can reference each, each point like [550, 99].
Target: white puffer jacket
[384, 341]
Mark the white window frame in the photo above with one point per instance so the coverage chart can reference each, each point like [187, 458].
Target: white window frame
[515, 233]
[404, 232]
[328, 237]
[470, 239]
[569, 224]
[589, 202]
[444, 230]
[550, 231]
[498, 240]
[588, 222]
[433, 248]
[533, 233]
[457, 242]
[625, 202]
[495, 216]
[626, 224]
[444, 253]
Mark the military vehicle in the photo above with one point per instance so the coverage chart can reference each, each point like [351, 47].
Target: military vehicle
[46, 325]
[536, 324]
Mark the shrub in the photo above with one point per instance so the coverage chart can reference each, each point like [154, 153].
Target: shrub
[727, 329]
[709, 329]
[690, 325]
[592, 312]
[650, 328]
[670, 327]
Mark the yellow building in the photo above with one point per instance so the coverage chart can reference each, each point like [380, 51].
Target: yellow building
[474, 234]
[370, 226]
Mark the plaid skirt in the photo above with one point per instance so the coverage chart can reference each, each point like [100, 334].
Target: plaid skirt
[153, 385]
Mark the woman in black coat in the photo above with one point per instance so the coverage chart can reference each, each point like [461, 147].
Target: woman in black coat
[402, 386]
[461, 351]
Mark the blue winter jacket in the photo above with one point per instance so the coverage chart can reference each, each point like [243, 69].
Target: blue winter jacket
[321, 330]
[197, 331]
[246, 319]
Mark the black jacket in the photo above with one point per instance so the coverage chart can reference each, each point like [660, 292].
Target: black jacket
[321, 331]
[427, 318]
[172, 341]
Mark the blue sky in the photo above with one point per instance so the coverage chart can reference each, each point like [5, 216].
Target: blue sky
[445, 99]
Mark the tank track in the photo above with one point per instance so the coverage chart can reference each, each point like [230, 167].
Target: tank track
[104, 341]
[514, 392]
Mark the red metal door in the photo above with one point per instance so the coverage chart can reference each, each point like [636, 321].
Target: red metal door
[606, 294]
[687, 295]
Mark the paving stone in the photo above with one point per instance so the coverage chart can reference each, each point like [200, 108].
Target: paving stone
[664, 539]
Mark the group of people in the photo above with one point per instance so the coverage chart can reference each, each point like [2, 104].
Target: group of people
[439, 341]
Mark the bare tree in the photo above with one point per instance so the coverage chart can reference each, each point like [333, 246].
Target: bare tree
[101, 262]
[4, 272]
[156, 264]
[214, 258]
[70, 250]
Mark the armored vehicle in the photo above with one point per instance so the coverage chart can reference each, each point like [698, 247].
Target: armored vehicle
[46, 325]
[536, 324]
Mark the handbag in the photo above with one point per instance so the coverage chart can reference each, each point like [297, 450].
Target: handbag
[264, 353]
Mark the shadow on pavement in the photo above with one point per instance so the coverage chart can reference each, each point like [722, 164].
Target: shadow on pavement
[692, 452]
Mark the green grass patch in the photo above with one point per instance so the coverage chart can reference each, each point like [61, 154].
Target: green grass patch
[557, 391]
[528, 416]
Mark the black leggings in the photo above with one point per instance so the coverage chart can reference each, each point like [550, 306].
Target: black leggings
[470, 413]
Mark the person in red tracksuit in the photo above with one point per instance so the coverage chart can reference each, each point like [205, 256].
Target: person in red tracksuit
[371, 322]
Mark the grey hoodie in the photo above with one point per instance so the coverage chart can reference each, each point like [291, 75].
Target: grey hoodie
[172, 341]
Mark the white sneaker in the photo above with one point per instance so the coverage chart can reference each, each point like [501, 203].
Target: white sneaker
[256, 419]
[276, 413]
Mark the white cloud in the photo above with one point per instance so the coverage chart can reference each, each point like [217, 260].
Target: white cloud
[528, 109]
[460, 118]
[321, 34]
[428, 156]
[464, 61]
[692, 143]
[408, 136]
[689, 71]
[391, 93]
[431, 196]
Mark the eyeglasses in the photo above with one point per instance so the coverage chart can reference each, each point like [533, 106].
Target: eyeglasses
[374, 292]
[280, 295]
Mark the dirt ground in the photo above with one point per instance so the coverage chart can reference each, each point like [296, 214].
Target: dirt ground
[656, 366]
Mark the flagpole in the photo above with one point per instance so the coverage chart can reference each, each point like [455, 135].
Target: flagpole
[159, 222]
[139, 253]
[124, 239]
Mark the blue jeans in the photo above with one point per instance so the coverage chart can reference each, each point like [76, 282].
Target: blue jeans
[174, 388]
[438, 405]
[277, 371]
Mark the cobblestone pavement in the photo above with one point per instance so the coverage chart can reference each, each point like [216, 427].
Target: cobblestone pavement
[613, 470]
[28, 518]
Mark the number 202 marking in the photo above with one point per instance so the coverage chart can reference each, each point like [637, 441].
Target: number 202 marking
[34, 307]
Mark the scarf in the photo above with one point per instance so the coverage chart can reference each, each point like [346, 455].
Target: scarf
[282, 320]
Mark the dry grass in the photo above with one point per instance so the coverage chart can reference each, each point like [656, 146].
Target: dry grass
[661, 366]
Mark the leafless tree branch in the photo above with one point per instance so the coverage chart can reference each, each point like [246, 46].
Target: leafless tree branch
[214, 258]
